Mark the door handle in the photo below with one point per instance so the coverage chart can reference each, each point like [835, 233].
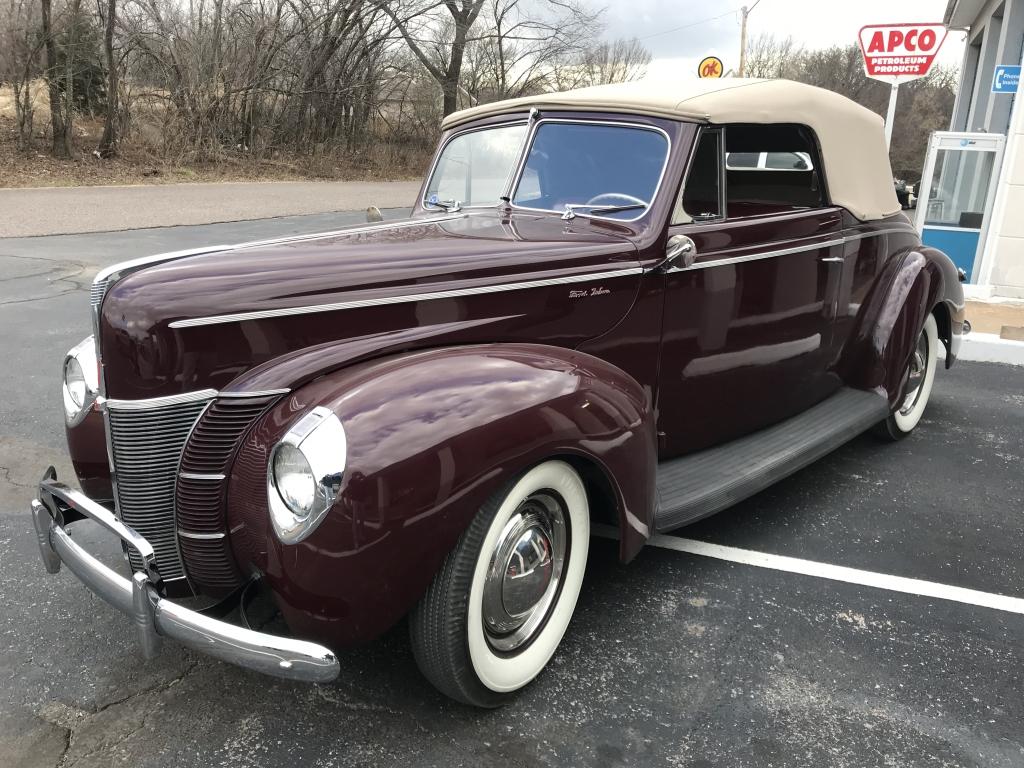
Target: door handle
[832, 259]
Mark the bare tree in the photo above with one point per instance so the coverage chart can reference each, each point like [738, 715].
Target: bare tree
[615, 61]
[517, 45]
[70, 55]
[510, 45]
[438, 43]
[772, 57]
[108, 142]
[61, 143]
[20, 44]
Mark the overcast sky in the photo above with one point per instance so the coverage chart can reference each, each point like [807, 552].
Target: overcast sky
[814, 24]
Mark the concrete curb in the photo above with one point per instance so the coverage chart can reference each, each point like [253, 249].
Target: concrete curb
[990, 348]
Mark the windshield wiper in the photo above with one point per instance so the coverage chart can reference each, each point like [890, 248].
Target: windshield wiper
[570, 209]
[448, 206]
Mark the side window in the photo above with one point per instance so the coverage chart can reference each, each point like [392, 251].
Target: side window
[701, 196]
[786, 175]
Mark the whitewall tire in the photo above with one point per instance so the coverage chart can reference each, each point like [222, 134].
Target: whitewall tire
[498, 609]
[917, 384]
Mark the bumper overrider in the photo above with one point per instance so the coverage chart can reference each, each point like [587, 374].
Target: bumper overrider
[156, 617]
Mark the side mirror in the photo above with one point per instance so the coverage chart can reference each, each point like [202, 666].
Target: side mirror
[680, 253]
[373, 214]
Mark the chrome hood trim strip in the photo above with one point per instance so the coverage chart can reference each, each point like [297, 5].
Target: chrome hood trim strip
[355, 229]
[112, 273]
[113, 404]
[403, 299]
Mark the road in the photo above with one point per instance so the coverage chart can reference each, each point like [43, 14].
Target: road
[65, 210]
[675, 659]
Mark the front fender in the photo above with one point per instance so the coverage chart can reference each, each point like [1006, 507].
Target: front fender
[890, 320]
[432, 435]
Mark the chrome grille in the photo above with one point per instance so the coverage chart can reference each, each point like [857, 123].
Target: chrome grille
[146, 444]
[202, 485]
[99, 288]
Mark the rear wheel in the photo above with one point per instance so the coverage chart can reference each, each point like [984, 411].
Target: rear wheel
[499, 607]
[917, 385]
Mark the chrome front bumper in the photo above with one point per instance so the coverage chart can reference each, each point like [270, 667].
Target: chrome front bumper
[155, 617]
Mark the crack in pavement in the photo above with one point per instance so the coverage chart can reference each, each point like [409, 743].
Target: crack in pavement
[57, 269]
[192, 664]
[6, 472]
[73, 729]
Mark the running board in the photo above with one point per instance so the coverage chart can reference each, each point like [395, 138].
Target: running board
[699, 484]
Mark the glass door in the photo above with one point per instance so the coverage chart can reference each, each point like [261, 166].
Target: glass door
[955, 194]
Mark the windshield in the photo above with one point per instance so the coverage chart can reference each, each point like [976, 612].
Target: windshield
[474, 167]
[611, 171]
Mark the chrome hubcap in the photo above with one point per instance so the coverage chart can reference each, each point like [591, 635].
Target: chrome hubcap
[915, 375]
[524, 572]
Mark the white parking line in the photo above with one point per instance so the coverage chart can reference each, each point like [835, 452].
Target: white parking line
[831, 572]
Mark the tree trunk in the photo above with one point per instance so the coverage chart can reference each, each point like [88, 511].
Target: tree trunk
[69, 78]
[451, 96]
[108, 142]
[450, 85]
[60, 148]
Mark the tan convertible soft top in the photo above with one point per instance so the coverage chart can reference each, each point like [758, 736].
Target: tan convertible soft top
[851, 137]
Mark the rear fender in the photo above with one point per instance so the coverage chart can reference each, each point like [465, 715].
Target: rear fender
[431, 436]
[890, 321]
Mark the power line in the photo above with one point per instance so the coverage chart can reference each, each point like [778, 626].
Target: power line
[693, 24]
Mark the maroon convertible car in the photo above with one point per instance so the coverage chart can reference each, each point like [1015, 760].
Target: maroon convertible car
[632, 304]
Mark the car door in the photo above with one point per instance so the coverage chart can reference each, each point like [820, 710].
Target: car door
[747, 328]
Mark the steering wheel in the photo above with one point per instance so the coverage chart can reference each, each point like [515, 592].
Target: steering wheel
[615, 198]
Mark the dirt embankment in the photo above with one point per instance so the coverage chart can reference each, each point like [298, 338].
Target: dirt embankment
[140, 158]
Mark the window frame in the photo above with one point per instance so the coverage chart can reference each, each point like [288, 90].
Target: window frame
[678, 203]
[818, 167]
[531, 136]
[424, 202]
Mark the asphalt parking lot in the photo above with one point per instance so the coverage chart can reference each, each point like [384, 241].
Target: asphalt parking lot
[676, 659]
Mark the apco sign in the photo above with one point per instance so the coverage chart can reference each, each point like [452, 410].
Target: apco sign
[897, 53]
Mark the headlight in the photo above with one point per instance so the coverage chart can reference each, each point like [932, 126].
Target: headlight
[305, 473]
[294, 480]
[81, 380]
[74, 380]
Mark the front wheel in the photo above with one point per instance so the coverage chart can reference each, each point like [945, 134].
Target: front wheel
[501, 603]
[917, 385]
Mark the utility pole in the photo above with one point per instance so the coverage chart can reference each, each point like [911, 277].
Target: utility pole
[744, 12]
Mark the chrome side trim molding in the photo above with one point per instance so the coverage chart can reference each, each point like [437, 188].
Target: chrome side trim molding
[795, 249]
[877, 232]
[759, 256]
[213, 476]
[403, 299]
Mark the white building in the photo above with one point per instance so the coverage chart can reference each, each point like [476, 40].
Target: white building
[986, 103]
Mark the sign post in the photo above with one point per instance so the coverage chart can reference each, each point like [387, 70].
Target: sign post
[890, 114]
[899, 53]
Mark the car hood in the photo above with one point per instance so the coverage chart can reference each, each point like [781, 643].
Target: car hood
[200, 321]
